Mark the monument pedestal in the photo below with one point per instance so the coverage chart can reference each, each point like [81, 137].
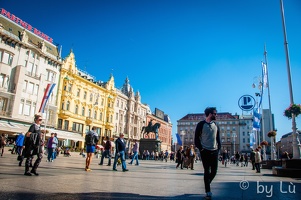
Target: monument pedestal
[289, 168]
[150, 145]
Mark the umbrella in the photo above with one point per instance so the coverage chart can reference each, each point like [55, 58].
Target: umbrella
[99, 146]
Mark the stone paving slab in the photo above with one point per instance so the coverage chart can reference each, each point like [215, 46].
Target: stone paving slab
[66, 179]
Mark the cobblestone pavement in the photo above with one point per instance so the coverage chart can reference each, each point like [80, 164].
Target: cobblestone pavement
[65, 178]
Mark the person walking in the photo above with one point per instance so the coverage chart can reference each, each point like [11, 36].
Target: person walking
[51, 146]
[225, 156]
[207, 140]
[190, 153]
[2, 143]
[257, 160]
[19, 144]
[180, 157]
[107, 151]
[120, 153]
[91, 140]
[135, 153]
[33, 145]
[252, 158]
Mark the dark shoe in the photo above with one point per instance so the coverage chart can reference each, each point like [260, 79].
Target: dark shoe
[20, 164]
[114, 169]
[130, 163]
[192, 169]
[34, 172]
[27, 174]
[137, 164]
[99, 164]
[125, 170]
[108, 165]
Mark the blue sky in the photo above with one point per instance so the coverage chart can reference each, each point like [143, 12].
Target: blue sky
[182, 56]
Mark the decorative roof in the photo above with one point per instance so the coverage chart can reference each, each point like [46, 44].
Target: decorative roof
[202, 116]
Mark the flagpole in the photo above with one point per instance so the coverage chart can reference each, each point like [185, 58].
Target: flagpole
[296, 142]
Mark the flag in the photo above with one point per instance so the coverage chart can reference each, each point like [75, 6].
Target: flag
[264, 74]
[252, 140]
[179, 139]
[46, 96]
[256, 120]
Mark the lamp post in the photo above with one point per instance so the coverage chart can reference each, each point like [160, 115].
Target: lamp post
[182, 134]
[234, 136]
[296, 142]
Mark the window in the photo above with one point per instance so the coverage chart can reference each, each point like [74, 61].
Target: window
[30, 67]
[83, 111]
[116, 117]
[66, 126]
[33, 109]
[100, 116]
[36, 89]
[63, 105]
[91, 97]
[89, 112]
[60, 124]
[51, 76]
[76, 109]
[32, 54]
[78, 93]
[2, 79]
[68, 105]
[21, 107]
[69, 87]
[7, 58]
[85, 95]
[27, 108]
[30, 88]
[95, 114]
[3, 104]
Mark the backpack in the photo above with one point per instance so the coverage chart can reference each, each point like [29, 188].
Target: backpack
[89, 139]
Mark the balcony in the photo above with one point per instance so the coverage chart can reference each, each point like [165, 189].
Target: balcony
[65, 114]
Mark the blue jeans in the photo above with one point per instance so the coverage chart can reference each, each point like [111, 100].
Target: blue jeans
[122, 156]
[50, 154]
[104, 154]
[135, 157]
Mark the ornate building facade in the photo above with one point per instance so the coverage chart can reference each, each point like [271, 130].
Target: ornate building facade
[84, 102]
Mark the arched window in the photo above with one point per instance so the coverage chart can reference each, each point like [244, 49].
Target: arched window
[83, 111]
[76, 109]
[67, 105]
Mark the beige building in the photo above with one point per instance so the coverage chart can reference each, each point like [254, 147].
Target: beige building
[229, 130]
[28, 62]
[84, 103]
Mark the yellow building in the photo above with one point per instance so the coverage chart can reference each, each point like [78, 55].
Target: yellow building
[84, 103]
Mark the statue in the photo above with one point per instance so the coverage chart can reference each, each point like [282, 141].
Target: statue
[151, 128]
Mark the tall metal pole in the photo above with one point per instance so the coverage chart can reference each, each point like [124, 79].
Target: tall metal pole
[273, 152]
[296, 142]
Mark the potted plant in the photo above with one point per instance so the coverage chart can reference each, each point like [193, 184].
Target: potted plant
[272, 134]
[264, 143]
[292, 109]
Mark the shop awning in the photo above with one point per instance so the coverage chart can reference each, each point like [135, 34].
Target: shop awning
[11, 127]
[66, 135]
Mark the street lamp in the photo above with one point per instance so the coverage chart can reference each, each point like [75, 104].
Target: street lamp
[182, 134]
[295, 134]
[234, 136]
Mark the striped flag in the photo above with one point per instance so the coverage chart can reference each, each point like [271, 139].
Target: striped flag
[46, 96]
[256, 120]
[179, 139]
